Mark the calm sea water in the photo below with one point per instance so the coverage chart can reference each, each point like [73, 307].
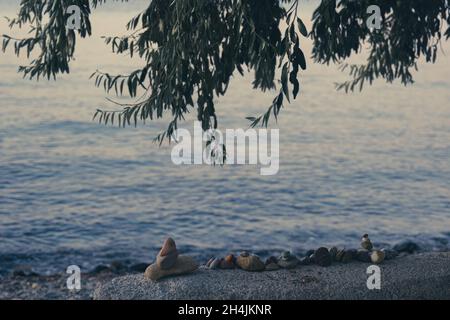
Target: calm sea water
[75, 192]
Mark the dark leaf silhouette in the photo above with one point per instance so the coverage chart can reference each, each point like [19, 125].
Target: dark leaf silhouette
[191, 49]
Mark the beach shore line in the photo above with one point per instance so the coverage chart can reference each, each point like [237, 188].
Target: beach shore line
[427, 271]
[417, 276]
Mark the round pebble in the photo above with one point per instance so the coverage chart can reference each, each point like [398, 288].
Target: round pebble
[250, 263]
[366, 243]
[322, 257]
[363, 255]
[287, 260]
[377, 256]
[347, 256]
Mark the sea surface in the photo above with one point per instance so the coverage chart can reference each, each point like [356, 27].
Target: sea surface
[76, 192]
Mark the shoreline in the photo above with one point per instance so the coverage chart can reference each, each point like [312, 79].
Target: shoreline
[53, 287]
[417, 276]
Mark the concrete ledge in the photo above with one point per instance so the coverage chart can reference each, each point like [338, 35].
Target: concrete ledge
[420, 276]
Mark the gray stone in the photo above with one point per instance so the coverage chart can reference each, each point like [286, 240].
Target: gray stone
[389, 254]
[363, 255]
[347, 256]
[366, 243]
[322, 257]
[288, 264]
[287, 260]
[406, 246]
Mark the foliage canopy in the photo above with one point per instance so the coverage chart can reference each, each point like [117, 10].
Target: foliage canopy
[191, 48]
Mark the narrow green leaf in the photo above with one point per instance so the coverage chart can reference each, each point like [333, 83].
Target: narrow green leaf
[302, 27]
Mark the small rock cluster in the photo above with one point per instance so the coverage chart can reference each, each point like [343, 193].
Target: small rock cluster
[170, 263]
[322, 256]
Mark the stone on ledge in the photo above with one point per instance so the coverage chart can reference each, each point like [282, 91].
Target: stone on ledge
[250, 262]
[183, 265]
[420, 276]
